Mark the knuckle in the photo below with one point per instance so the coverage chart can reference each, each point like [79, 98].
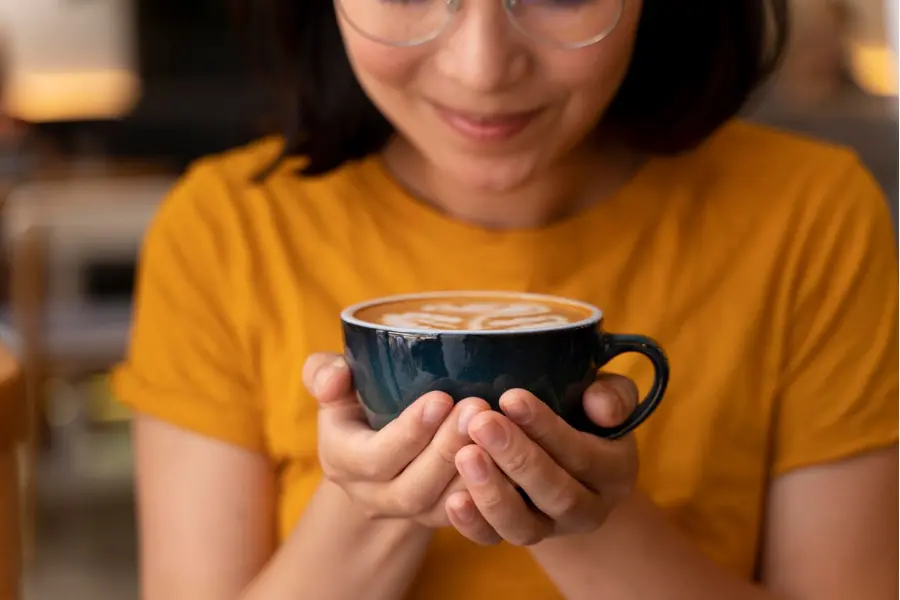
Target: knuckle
[371, 513]
[488, 538]
[581, 465]
[585, 526]
[589, 520]
[447, 454]
[518, 462]
[565, 505]
[329, 471]
[411, 504]
[369, 469]
[491, 502]
[524, 537]
[541, 432]
[436, 518]
[456, 485]
[369, 500]
[411, 435]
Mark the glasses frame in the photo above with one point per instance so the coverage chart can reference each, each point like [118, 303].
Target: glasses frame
[509, 6]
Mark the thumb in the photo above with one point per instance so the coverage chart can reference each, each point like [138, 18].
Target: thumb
[610, 400]
[327, 377]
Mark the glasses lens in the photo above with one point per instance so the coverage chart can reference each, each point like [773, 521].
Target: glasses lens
[398, 22]
[571, 23]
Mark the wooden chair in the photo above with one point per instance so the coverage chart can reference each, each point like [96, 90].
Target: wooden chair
[54, 333]
[12, 431]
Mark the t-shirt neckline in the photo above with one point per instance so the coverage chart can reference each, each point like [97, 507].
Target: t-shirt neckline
[395, 197]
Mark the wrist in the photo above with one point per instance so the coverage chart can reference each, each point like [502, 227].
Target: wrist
[330, 493]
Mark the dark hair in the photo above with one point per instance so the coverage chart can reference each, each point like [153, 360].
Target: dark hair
[695, 65]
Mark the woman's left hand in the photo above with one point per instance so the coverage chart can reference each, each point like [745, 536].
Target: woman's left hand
[573, 478]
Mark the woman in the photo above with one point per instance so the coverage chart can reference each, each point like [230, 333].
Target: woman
[585, 149]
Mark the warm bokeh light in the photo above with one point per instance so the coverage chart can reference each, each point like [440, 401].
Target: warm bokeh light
[66, 96]
[874, 68]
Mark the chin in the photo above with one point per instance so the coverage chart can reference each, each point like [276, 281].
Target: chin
[496, 175]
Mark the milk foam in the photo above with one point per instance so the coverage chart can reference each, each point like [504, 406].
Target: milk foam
[477, 316]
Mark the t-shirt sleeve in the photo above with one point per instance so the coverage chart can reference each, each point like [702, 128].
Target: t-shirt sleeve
[840, 392]
[186, 363]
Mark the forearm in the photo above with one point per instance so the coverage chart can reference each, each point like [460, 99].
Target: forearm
[337, 553]
[638, 554]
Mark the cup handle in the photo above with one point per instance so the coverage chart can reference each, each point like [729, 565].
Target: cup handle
[613, 346]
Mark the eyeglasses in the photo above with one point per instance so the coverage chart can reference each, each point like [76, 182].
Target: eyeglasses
[563, 23]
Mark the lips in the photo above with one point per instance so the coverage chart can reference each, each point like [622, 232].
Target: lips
[484, 126]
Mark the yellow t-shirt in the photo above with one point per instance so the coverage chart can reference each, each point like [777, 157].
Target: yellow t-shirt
[764, 263]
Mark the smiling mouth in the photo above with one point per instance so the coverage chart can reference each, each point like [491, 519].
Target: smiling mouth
[486, 126]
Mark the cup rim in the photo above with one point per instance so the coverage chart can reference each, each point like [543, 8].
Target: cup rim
[348, 314]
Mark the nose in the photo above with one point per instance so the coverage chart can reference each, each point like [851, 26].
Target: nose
[481, 52]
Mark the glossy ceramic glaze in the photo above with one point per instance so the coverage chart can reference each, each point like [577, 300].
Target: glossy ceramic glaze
[391, 369]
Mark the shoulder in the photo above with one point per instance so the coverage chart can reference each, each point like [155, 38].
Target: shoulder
[764, 145]
[789, 182]
[759, 158]
[209, 187]
[783, 165]
[825, 186]
[237, 193]
[220, 181]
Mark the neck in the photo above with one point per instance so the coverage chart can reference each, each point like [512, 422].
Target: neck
[585, 177]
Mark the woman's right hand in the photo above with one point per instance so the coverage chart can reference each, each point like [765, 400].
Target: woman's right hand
[407, 469]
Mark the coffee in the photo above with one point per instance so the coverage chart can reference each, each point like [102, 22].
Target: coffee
[479, 311]
[482, 344]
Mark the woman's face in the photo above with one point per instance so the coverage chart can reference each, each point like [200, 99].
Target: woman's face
[484, 103]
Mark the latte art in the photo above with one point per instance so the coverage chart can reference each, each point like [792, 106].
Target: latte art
[478, 316]
[473, 312]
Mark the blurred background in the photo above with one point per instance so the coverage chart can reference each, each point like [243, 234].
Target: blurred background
[102, 105]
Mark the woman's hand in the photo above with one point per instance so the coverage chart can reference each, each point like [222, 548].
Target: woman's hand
[405, 470]
[573, 478]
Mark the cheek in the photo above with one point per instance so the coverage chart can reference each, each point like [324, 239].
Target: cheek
[593, 83]
[594, 74]
[383, 72]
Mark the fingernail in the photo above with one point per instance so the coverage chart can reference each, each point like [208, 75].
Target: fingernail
[517, 410]
[475, 469]
[435, 411]
[326, 373]
[491, 435]
[465, 417]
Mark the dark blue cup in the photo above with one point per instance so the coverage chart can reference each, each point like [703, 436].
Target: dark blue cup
[482, 344]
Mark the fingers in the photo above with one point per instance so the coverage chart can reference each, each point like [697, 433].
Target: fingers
[381, 501]
[496, 499]
[422, 482]
[327, 377]
[610, 400]
[466, 518]
[354, 451]
[593, 461]
[348, 448]
[550, 487]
